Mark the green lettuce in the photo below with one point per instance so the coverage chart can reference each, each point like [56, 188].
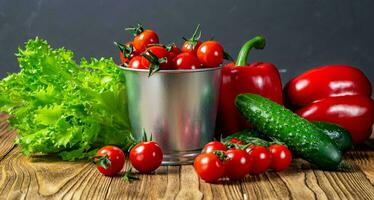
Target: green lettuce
[60, 107]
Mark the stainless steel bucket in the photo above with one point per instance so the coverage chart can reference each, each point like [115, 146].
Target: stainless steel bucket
[178, 107]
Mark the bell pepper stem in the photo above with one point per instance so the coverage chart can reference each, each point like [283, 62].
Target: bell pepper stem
[257, 42]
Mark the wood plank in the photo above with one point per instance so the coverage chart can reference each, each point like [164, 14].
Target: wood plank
[172, 184]
[45, 178]
[49, 178]
[224, 189]
[266, 186]
[7, 136]
[302, 181]
[158, 185]
[189, 184]
[168, 182]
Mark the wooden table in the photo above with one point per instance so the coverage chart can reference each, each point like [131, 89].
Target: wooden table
[48, 178]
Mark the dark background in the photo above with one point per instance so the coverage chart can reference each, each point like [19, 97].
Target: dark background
[300, 34]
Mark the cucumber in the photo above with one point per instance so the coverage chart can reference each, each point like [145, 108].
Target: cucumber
[300, 135]
[341, 137]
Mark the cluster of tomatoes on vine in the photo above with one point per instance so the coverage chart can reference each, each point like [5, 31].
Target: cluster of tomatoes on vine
[145, 157]
[146, 52]
[236, 159]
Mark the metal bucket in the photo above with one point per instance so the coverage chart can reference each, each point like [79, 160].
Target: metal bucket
[178, 107]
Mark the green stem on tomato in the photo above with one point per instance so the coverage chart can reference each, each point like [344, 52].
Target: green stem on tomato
[257, 42]
[138, 29]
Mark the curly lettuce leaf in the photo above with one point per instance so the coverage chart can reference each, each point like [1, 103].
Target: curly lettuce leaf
[61, 107]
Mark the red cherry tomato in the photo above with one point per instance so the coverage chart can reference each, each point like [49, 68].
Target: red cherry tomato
[214, 146]
[109, 160]
[261, 158]
[237, 163]
[127, 51]
[123, 59]
[186, 61]
[146, 156]
[210, 53]
[173, 52]
[281, 157]
[139, 62]
[209, 167]
[192, 44]
[236, 141]
[188, 47]
[144, 39]
[160, 52]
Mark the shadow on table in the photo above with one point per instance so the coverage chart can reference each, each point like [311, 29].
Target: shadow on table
[366, 146]
[51, 158]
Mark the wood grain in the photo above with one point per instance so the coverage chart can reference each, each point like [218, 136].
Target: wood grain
[7, 136]
[49, 178]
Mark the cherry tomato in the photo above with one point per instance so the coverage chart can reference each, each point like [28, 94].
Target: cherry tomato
[209, 167]
[127, 51]
[192, 44]
[237, 163]
[214, 146]
[281, 157]
[173, 52]
[160, 52]
[210, 53]
[236, 141]
[188, 47]
[123, 59]
[139, 62]
[109, 160]
[145, 38]
[146, 156]
[186, 61]
[261, 158]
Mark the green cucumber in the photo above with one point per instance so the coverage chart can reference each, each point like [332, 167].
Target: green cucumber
[341, 137]
[300, 135]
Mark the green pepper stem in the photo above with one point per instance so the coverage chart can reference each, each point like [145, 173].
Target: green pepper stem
[257, 42]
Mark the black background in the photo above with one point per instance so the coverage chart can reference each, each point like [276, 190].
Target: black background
[300, 34]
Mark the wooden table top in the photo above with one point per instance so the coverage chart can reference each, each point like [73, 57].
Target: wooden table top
[23, 177]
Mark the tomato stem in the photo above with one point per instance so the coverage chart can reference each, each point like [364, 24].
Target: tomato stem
[129, 176]
[221, 155]
[138, 29]
[126, 49]
[157, 45]
[257, 42]
[169, 47]
[144, 139]
[102, 161]
[276, 141]
[194, 38]
[227, 56]
[155, 62]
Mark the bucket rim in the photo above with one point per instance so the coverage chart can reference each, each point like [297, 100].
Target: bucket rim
[172, 71]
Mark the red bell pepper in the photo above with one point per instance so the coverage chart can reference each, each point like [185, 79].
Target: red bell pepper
[354, 113]
[326, 81]
[259, 78]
